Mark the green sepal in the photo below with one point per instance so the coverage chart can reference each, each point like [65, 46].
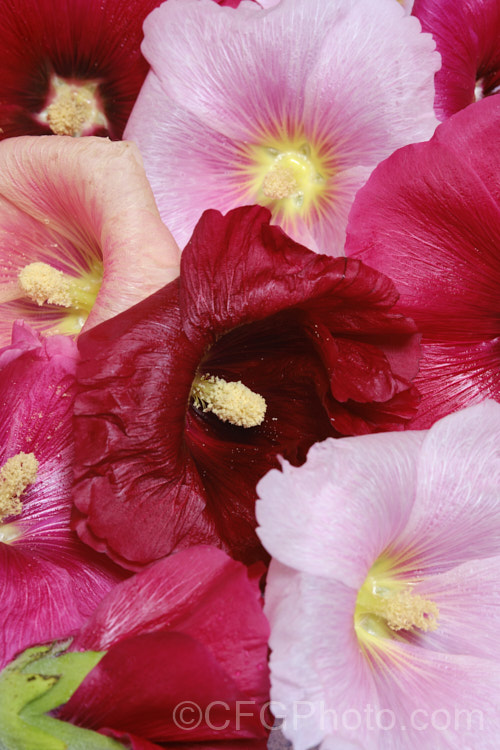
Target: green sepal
[39, 680]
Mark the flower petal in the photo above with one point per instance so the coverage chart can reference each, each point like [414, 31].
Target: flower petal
[455, 517]
[429, 218]
[74, 202]
[363, 483]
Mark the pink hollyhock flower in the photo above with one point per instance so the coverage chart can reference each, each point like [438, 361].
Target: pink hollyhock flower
[260, 348]
[467, 35]
[50, 581]
[291, 108]
[383, 596]
[187, 630]
[429, 218]
[81, 236]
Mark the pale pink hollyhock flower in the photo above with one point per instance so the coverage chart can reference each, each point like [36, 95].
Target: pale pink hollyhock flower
[49, 580]
[84, 209]
[290, 107]
[383, 594]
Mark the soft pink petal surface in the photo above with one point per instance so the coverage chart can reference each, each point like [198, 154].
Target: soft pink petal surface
[310, 70]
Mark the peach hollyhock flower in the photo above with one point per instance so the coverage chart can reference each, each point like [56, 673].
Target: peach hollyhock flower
[49, 580]
[81, 238]
[290, 107]
[383, 596]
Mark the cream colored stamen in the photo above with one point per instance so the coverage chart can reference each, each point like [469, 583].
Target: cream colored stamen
[279, 183]
[16, 475]
[232, 402]
[405, 611]
[73, 109]
[42, 283]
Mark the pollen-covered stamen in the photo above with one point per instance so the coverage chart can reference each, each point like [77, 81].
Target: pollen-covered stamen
[44, 284]
[279, 183]
[232, 402]
[16, 475]
[404, 610]
[74, 108]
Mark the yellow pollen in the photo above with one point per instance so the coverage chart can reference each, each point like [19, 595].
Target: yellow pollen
[405, 610]
[16, 475]
[232, 402]
[279, 183]
[73, 109]
[42, 283]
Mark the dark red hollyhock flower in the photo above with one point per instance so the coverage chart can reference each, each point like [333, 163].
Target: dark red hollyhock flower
[467, 35]
[170, 444]
[429, 217]
[73, 67]
[186, 661]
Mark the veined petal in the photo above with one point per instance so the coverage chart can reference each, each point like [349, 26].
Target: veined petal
[364, 483]
[153, 600]
[469, 612]
[317, 614]
[455, 516]
[79, 205]
[429, 218]
[295, 89]
[51, 581]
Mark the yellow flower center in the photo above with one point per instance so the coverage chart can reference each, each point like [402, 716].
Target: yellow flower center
[74, 109]
[230, 402]
[16, 475]
[46, 285]
[387, 604]
[288, 175]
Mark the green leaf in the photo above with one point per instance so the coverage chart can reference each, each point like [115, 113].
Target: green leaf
[39, 680]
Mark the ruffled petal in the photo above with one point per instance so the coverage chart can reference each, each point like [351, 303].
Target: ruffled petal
[363, 486]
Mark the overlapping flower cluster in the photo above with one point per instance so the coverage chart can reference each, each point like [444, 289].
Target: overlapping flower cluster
[263, 325]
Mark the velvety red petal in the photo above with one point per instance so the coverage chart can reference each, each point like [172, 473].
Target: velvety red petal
[248, 305]
[200, 592]
[466, 36]
[429, 217]
[138, 684]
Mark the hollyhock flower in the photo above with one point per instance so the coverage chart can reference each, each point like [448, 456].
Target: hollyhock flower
[81, 236]
[185, 661]
[291, 108]
[50, 581]
[260, 348]
[467, 37]
[430, 219]
[70, 68]
[383, 596]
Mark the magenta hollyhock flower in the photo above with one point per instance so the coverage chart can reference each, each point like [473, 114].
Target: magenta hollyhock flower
[383, 594]
[260, 348]
[187, 632]
[81, 236]
[429, 218]
[291, 107]
[467, 36]
[50, 581]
